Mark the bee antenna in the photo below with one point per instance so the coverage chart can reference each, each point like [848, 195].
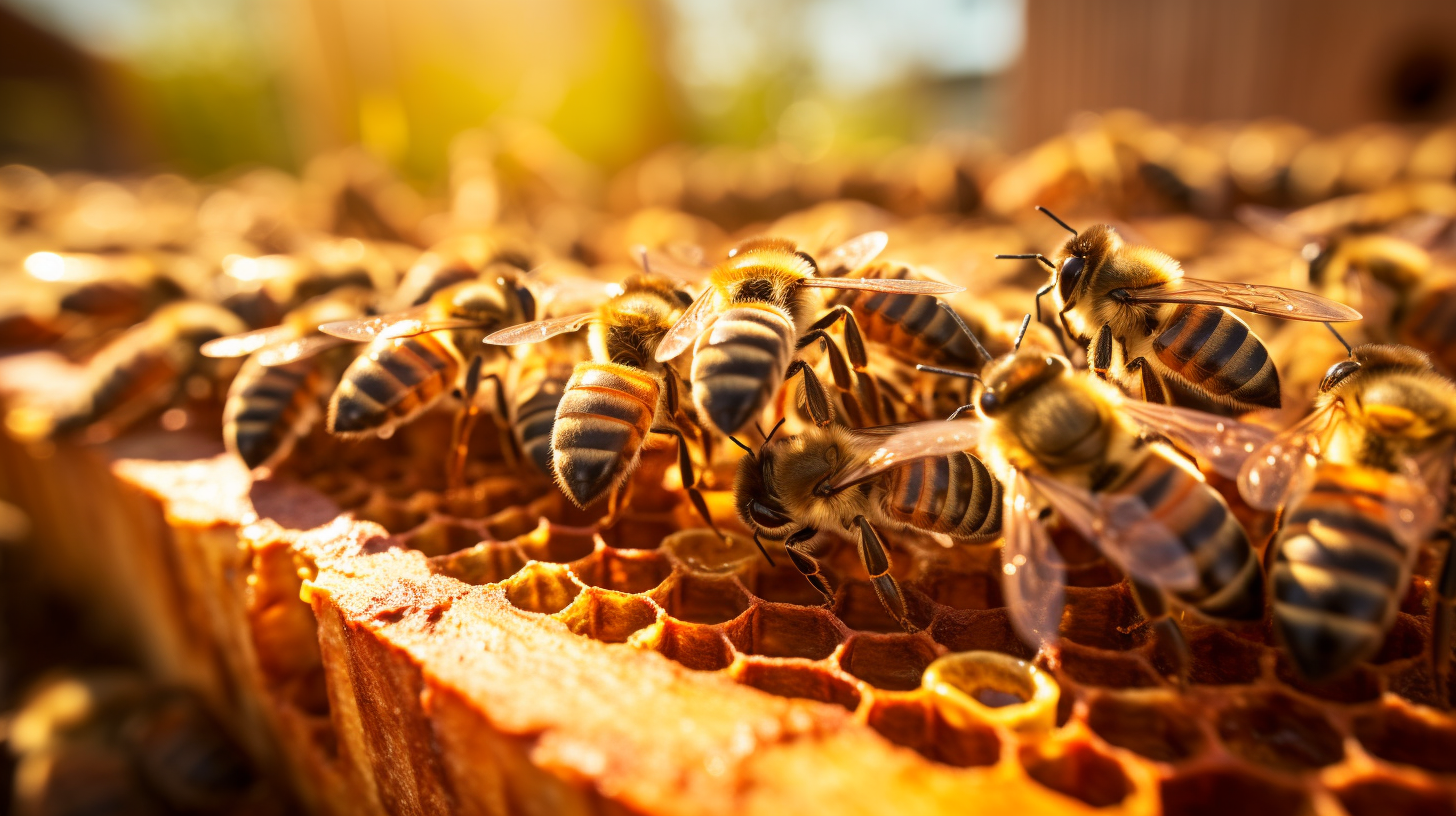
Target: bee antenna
[949, 372]
[975, 341]
[771, 432]
[1021, 333]
[745, 448]
[1034, 256]
[762, 550]
[1052, 216]
[642, 254]
[1349, 352]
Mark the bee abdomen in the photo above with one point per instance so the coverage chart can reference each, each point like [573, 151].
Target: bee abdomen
[268, 409]
[1338, 574]
[602, 420]
[955, 495]
[913, 327]
[1230, 582]
[1213, 349]
[739, 364]
[392, 382]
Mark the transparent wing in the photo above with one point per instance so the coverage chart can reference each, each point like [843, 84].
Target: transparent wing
[899, 286]
[881, 451]
[400, 324]
[683, 261]
[1284, 465]
[1220, 444]
[853, 254]
[1126, 530]
[291, 350]
[1413, 506]
[688, 327]
[1034, 574]
[538, 330]
[241, 345]
[1275, 301]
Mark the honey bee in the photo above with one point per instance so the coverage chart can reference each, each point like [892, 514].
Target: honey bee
[1149, 327]
[70, 296]
[538, 381]
[1072, 440]
[744, 326]
[274, 399]
[146, 367]
[1361, 485]
[615, 400]
[415, 357]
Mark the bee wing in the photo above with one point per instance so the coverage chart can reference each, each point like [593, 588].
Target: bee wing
[1126, 530]
[1275, 301]
[853, 254]
[400, 324]
[688, 327]
[538, 330]
[1283, 466]
[1219, 443]
[241, 345]
[899, 286]
[885, 449]
[1414, 507]
[291, 350]
[683, 261]
[1035, 575]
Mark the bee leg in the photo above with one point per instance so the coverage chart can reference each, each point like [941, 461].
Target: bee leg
[1445, 614]
[464, 423]
[815, 398]
[1102, 352]
[838, 368]
[1062, 333]
[805, 563]
[1169, 638]
[689, 480]
[877, 563]
[509, 452]
[830, 317]
[1153, 390]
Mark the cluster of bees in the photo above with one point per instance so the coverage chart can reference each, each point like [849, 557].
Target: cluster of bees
[840, 393]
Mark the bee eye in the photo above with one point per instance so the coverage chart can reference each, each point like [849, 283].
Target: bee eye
[1337, 373]
[765, 516]
[989, 403]
[1067, 277]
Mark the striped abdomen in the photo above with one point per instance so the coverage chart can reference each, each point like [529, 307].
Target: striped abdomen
[601, 423]
[269, 408]
[535, 396]
[392, 382]
[1338, 570]
[1215, 351]
[912, 327]
[739, 363]
[1230, 582]
[1430, 324]
[955, 495]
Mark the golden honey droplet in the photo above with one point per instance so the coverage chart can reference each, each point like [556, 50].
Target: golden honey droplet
[991, 688]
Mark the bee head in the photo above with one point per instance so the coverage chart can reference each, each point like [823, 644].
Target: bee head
[1015, 375]
[1083, 252]
[758, 507]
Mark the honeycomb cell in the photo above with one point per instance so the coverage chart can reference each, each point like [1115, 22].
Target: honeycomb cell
[783, 630]
[963, 630]
[1220, 792]
[632, 571]
[1103, 618]
[1357, 685]
[695, 598]
[557, 545]
[541, 587]
[913, 722]
[1406, 639]
[1222, 658]
[1155, 725]
[441, 535]
[699, 550]
[489, 562]
[1279, 731]
[893, 662]
[1079, 771]
[792, 678]
[1387, 797]
[611, 617]
[857, 604]
[963, 590]
[639, 532]
[783, 584]
[1096, 667]
[1408, 736]
[992, 688]
[698, 647]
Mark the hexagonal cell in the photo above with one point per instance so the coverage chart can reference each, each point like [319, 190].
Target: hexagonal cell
[699, 647]
[1407, 638]
[517, 521]
[486, 563]
[1389, 797]
[1079, 771]
[781, 630]
[993, 689]
[542, 588]
[701, 599]
[632, 571]
[608, 616]
[1104, 618]
[492, 494]
[393, 514]
[1357, 685]
[1279, 731]
[1155, 725]
[440, 535]
[1223, 791]
[796, 679]
[971, 630]
[1403, 735]
[912, 722]
[893, 662]
[963, 590]
[700, 551]
[639, 532]
[557, 545]
[1095, 667]
[1221, 658]
[783, 584]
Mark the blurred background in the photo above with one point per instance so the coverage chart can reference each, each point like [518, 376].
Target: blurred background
[199, 86]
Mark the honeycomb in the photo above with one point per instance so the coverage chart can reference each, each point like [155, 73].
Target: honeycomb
[383, 643]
